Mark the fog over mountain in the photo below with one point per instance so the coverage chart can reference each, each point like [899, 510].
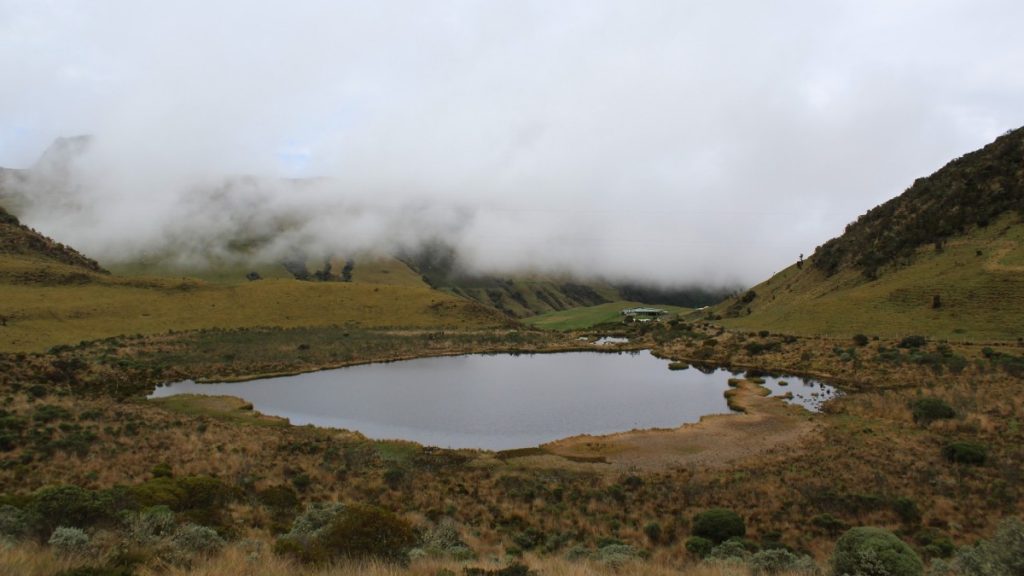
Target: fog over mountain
[674, 142]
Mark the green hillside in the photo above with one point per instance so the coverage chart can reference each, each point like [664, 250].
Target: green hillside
[944, 259]
[581, 318]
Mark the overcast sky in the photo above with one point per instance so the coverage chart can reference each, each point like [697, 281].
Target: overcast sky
[677, 141]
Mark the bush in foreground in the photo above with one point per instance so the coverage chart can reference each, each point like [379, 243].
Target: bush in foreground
[719, 525]
[1002, 555]
[867, 551]
[67, 541]
[779, 560]
[333, 532]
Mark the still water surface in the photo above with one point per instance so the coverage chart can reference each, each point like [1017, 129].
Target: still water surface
[497, 401]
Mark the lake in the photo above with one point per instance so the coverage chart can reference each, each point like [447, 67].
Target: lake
[498, 401]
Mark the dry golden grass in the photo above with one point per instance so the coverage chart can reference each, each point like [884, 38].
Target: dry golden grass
[239, 560]
[33, 560]
[865, 453]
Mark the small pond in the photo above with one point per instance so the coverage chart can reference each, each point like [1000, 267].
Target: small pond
[498, 401]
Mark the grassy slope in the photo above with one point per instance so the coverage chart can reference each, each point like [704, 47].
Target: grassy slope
[528, 296]
[579, 318]
[50, 294]
[981, 295]
[41, 315]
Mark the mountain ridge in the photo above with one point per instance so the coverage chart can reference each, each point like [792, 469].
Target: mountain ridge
[969, 191]
[943, 259]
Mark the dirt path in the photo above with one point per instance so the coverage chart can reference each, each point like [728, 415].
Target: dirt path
[715, 441]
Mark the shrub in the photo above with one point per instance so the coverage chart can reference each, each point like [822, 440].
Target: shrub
[577, 553]
[328, 532]
[719, 525]
[860, 340]
[730, 549]
[934, 543]
[279, 498]
[68, 505]
[528, 539]
[314, 519]
[699, 546]
[444, 540]
[778, 560]
[907, 510]
[193, 540]
[912, 342]
[874, 552]
[149, 526]
[202, 499]
[162, 470]
[928, 410]
[160, 491]
[616, 555]
[68, 541]
[13, 523]
[999, 556]
[368, 532]
[204, 493]
[965, 453]
[653, 532]
[302, 481]
[49, 413]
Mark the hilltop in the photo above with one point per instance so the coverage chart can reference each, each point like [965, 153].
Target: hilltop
[19, 242]
[944, 259]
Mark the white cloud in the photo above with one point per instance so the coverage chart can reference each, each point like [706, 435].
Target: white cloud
[677, 141]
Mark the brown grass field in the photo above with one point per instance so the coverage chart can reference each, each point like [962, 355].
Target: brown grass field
[781, 468]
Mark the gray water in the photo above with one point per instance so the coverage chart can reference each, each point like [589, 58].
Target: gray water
[495, 402]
